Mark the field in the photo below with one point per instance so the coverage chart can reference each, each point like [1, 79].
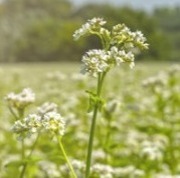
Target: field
[137, 133]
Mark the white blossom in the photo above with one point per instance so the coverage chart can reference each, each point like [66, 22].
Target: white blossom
[47, 107]
[95, 61]
[120, 56]
[49, 168]
[128, 171]
[151, 151]
[153, 81]
[89, 26]
[28, 126]
[33, 122]
[54, 123]
[123, 36]
[21, 100]
[51, 122]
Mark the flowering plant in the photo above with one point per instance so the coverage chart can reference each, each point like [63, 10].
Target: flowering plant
[120, 45]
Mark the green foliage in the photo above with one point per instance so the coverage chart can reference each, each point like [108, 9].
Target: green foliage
[45, 40]
[23, 21]
[169, 21]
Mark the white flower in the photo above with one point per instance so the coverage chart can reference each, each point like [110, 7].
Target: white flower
[78, 165]
[99, 155]
[54, 123]
[28, 126]
[120, 56]
[91, 25]
[140, 40]
[49, 168]
[102, 169]
[151, 151]
[47, 107]
[95, 61]
[19, 127]
[120, 46]
[21, 100]
[153, 81]
[122, 35]
[33, 122]
[128, 171]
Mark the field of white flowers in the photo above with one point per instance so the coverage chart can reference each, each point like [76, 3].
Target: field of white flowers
[137, 131]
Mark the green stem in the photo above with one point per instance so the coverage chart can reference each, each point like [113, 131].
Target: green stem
[65, 156]
[107, 139]
[93, 124]
[21, 115]
[13, 113]
[22, 149]
[25, 164]
[90, 144]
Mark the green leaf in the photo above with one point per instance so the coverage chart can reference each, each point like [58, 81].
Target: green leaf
[94, 100]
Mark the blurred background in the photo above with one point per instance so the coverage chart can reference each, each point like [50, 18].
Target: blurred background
[41, 30]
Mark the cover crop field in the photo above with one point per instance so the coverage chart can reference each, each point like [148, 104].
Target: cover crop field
[137, 133]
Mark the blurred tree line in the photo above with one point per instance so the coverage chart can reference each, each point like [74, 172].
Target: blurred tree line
[32, 30]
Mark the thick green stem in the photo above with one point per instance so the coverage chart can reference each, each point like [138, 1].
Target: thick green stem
[93, 124]
[90, 144]
[66, 158]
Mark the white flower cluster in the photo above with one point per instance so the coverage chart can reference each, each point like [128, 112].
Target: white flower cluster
[48, 169]
[158, 80]
[88, 27]
[47, 107]
[99, 61]
[123, 36]
[95, 61]
[29, 125]
[119, 45]
[120, 56]
[152, 151]
[128, 171]
[103, 171]
[54, 123]
[21, 100]
[79, 168]
[33, 123]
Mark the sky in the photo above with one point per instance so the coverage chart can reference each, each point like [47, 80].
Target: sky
[143, 4]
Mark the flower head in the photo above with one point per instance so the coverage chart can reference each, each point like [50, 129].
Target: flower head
[120, 56]
[95, 61]
[47, 107]
[21, 100]
[119, 46]
[54, 123]
[51, 122]
[92, 25]
[28, 126]
[122, 35]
